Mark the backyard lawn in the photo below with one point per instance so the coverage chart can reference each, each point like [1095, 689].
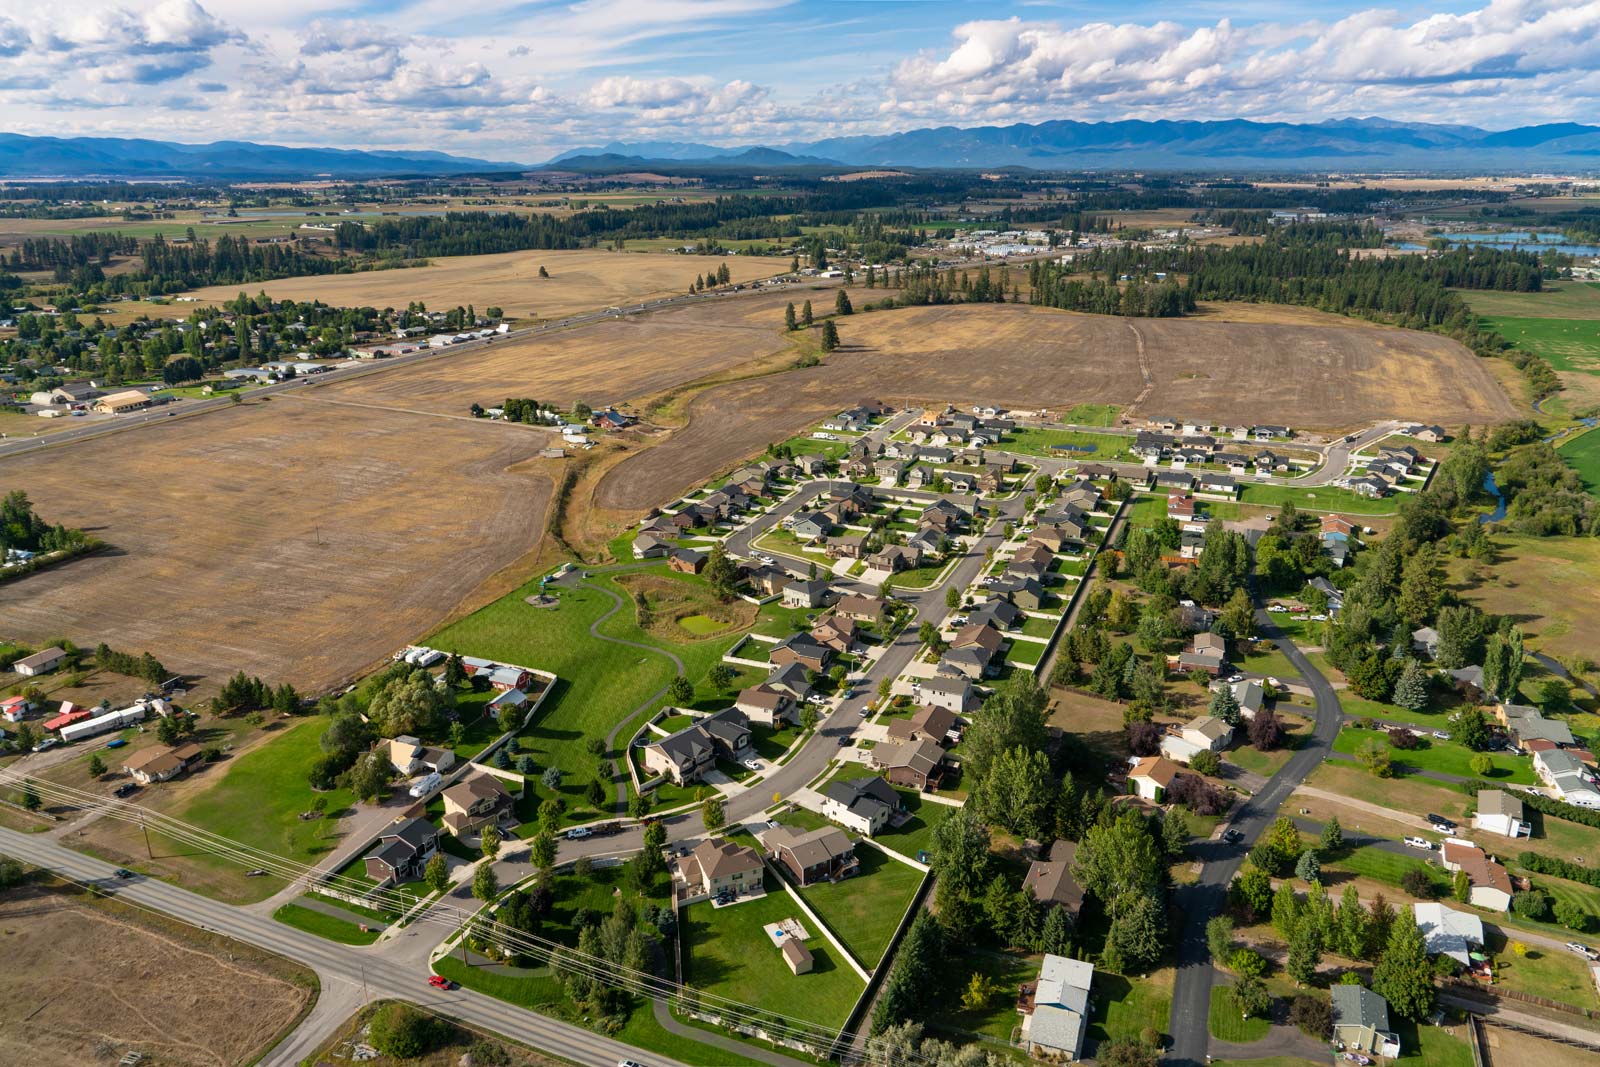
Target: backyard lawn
[916, 834]
[1125, 1007]
[727, 953]
[864, 910]
[1320, 500]
[1227, 1024]
[1388, 867]
[997, 1019]
[1543, 972]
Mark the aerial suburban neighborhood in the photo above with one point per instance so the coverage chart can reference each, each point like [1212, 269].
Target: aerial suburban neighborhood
[581, 534]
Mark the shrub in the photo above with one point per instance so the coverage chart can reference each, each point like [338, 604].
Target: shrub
[402, 1032]
[1206, 762]
[1402, 738]
[1313, 1015]
[1418, 883]
[1531, 904]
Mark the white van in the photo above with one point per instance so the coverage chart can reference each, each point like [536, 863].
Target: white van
[427, 785]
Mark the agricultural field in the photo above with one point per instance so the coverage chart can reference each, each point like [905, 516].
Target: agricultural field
[252, 537]
[1561, 300]
[607, 362]
[1027, 356]
[1551, 585]
[80, 976]
[1568, 344]
[580, 280]
[1582, 454]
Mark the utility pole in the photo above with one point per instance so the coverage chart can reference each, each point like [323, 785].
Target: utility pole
[149, 853]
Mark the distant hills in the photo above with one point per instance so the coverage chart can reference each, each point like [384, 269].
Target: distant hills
[1235, 144]
[1227, 145]
[114, 157]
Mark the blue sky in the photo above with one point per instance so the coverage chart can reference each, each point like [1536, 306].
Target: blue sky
[523, 80]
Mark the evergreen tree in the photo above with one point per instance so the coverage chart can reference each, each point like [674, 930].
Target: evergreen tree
[841, 304]
[805, 314]
[1403, 975]
[790, 323]
[1308, 868]
[1305, 952]
[1411, 691]
[1332, 837]
[830, 336]
[1225, 706]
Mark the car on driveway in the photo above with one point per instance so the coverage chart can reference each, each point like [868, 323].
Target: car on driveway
[1583, 950]
[1420, 842]
[753, 764]
[46, 745]
[768, 560]
[1235, 678]
[1276, 607]
[439, 981]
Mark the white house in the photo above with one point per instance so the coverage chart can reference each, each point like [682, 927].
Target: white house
[1447, 932]
[1500, 812]
[1205, 734]
[1150, 777]
[1055, 1024]
[1489, 881]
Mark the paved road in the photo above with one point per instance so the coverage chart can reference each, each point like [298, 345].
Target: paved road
[1207, 896]
[350, 976]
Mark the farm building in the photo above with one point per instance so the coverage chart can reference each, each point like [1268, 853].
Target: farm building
[39, 663]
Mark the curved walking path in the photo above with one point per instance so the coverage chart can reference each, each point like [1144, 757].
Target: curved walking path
[741, 1049]
[1207, 896]
[621, 777]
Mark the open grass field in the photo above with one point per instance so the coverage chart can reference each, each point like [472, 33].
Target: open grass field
[865, 910]
[580, 280]
[1299, 373]
[726, 952]
[1582, 453]
[316, 922]
[1549, 585]
[1568, 344]
[81, 973]
[293, 540]
[1558, 300]
[607, 362]
[1445, 757]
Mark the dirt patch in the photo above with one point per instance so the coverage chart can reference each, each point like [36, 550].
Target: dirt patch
[288, 539]
[1508, 1047]
[667, 606]
[609, 362]
[85, 978]
[580, 280]
[1303, 374]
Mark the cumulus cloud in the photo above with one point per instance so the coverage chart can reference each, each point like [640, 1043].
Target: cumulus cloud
[679, 94]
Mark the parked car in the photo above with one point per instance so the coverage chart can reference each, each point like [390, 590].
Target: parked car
[123, 872]
[1276, 607]
[1441, 735]
[126, 789]
[1583, 950]
[1275, 683]
[1319, 618]
[579, 833]
[768, 560]
[47, 744]
[1420, 842]
[1232, 836]
[1232, 678]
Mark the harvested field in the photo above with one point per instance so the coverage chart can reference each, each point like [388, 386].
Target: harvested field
[291, 539]
[580, 280]
[1549, 585]
[1303, 373]
[83, 975]
[606, 363]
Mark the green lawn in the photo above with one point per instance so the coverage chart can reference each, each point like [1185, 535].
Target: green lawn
[1090, 415]
[1431, 718]
[916, 834]
[315, 922]
[1097, 447]
[1570, 300]
[1326, 498]
[1446, 757]
[1388, 867]
[1026, 653]
[998, 1018]
[1560, 976]
[599, 683]
[726, 952]
[771, 744]
[1227, 1024]
[865, 910]
[1033, 626]
[1582, 454]
[259, 796]
[1430, 1046]
[917, 577]
[1123, 1007]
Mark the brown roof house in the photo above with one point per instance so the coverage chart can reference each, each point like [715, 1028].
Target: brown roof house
[160, 765]
[927, 723]
[403, 850]
[720, 868]
[766, 705]
[836, 633]
[1490, 883]
[1051, 881]
[801, 648]
[1151, 777]
[823, 855]
[474, 802]
[918, 764]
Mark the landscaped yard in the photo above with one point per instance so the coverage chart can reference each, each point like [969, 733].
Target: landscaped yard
[1095, 447]
[916, 834]
[998, 1019]
[1025, 653]
[1227, 1024]
[1543, 972]
[1446, 757]
[1320, 500]
[1387, 867]
[726, 952]
[1125, 1007]
[864, 910]
[1034, 626]
[315, 922]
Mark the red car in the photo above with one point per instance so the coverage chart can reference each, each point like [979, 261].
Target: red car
[439, 981]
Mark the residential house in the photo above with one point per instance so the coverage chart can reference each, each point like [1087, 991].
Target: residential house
[825, 854]
[918, 764]
[1182, 507]
[1051, 881]
[15, 709]
[1337, 526]
[1500, 812]
[160, 765]
[1448, 932]
[1334, 594]
[411, 757]
[686, 755]
[1195, 618]
[1206, 652]
[803, 649]
[835, 633]
[765, 579]
[811, 464]
[687, 560]
[928, 723]
[895, 558]
[718, 867]
[973, 663]
[810, 525]
[847, 546]
[791, 679]
[956, 694]
[1000, 614]
[1526, 724]
[1056, 1015]
[1426, 641]
[1026, 592]
[805, 593]
[1151, 777]
[1065, 535]
[1569, 780]
[1204, 734]
[942, 515]
[403, 850]
[977, 635]
[1361, 1022]
[867, 609]
[647, 546]
[865, 805]
[1490, 883]
[766, 705]
[1368, 486]
[473, 802]
[1172, 481]
[1431, 434]
[42, 662]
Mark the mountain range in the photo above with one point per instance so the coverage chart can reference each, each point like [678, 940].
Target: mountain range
[1232, 144]
[114, 157]
[1227, 145]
